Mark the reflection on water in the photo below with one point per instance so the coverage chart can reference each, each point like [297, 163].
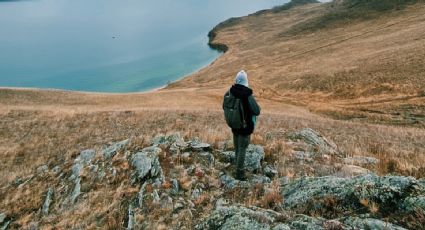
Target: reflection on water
[109, 45]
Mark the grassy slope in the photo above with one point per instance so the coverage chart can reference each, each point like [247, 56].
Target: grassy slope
[351, 61]
[42, 126]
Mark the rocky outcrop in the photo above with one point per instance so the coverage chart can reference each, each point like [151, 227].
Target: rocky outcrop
[195, 176]
[309, 195]
[84, 159]
[146, 163]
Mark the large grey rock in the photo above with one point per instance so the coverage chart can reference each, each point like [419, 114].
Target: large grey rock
[47, 202]
[370, 223]
[308, 194]
[146, 163]
[317, 142]
[110, 151]
[240, 217]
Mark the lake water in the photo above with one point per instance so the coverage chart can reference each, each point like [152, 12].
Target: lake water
[109, 45]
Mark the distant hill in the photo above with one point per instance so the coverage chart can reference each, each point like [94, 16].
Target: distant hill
[349, 59]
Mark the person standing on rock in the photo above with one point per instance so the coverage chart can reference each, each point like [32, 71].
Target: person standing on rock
[241, 111]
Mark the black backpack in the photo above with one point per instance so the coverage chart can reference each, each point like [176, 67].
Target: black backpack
[233, 111]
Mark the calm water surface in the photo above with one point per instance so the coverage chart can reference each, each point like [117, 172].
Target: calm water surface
[109, 45]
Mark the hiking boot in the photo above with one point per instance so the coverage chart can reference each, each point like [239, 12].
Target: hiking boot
[240, 175]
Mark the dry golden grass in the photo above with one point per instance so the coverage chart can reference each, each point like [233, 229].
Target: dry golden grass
[369, 68]
[369, 76]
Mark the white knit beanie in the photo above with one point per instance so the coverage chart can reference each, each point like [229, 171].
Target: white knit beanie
[242, 78]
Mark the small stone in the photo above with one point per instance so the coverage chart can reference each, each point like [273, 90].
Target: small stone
[131, 220]
[195, 194]
[191, 204]
[2, 217]
[221, 203]
[42, 169]
[141, 195]
[186, 155]
[270, 171]
[155, 196]
[317, 142]
[47, 201]
[175, 189]
[178, 206]
[196, 145]
[57, 169]
[167, 202]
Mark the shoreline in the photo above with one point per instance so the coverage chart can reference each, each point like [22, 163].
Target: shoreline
[219, 47]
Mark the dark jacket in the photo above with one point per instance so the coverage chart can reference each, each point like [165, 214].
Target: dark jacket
[250, 107]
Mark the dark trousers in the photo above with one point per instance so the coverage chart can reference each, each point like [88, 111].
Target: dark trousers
[241, 143]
